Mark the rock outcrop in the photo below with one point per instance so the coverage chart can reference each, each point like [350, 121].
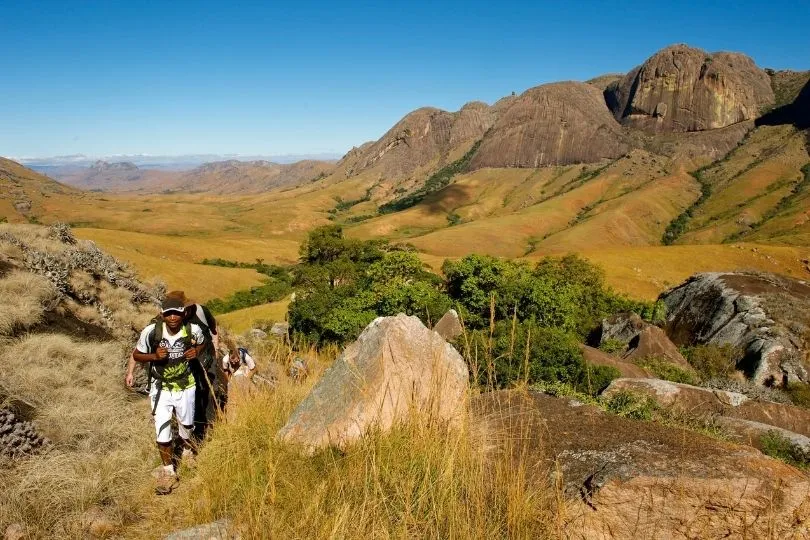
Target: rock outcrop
[681, 88]
[642, 339]
[420, 138]
[396, 366]
[634, 479]
[697, 401]
[552, 124]
[767, 316]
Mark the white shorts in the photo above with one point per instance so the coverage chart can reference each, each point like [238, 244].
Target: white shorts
[171, 403]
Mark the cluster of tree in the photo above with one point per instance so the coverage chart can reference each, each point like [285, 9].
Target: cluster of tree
[522, 322]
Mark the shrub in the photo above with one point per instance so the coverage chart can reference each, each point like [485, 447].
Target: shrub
[776, 445]
[567, 293]
[612, 346]
[712, 361]
[631, 405]
[663, 369]
[524, 351]
[799, 394]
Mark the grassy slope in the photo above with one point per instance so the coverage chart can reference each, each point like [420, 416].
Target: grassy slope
[242, 320]
[747, 184]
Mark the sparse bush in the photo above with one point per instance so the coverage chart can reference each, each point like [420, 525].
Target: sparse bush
[523, 351]
[612, 346]
[663, 369]
[713, 361]
[776, 445]
[799, 394]
[631, 405]
[453, 219]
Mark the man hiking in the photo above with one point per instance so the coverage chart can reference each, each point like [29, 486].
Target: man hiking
[170, 346]
[207, 375]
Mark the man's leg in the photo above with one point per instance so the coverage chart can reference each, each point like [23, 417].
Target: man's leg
[185, 410]
[167, 480]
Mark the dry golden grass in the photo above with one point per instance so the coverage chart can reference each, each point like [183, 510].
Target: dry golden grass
[22, 297]
[644, 272]
[102, 440]
[418, 481]
[242, 320]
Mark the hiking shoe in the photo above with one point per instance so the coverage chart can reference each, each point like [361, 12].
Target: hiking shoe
[166, 482]
[189, 458]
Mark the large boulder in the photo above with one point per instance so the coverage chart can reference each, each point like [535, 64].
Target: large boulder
[682, 89]
[642, 339]
[765, 315]
[653, 342]
[632, 479]
[697, 401]
[396, 366]
[622, 327]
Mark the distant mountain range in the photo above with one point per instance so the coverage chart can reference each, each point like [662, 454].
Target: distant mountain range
[145, 161]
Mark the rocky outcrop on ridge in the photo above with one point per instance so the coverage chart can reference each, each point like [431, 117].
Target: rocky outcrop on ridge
[552, 124]
[396, 366]
[767, 316]
[681, 89]
[421, 137]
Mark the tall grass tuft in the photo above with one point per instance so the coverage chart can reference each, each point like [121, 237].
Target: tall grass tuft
[418, 480]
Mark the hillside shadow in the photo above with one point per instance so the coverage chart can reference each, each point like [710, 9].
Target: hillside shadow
[446, 199]
[796, 113]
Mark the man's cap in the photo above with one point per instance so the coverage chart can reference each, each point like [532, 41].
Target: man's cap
[172, 304]
[181, 296]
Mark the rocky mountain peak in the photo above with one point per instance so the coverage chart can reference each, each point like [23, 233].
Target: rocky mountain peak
[682, 88]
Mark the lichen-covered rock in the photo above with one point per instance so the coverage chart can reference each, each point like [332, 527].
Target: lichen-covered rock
[621, 327]
[396, 366]
[681, 89]
[767, 316]
[633, 479]
[552, 124]
[711, 402]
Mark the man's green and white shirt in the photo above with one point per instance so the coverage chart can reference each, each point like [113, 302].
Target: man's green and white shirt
[175, 344]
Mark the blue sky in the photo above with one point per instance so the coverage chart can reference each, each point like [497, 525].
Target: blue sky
[174, 77]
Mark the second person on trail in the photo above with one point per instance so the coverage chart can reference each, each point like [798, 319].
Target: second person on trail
[170, 347]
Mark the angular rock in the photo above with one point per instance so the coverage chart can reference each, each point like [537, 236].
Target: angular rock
[256, 333]
[621, 327]
[653, 342]
[698, 401]
[633, 479]
[682, 89]
[280, 329]
[396, 366]
[449, 326]
[642, 339]
[765, 315]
